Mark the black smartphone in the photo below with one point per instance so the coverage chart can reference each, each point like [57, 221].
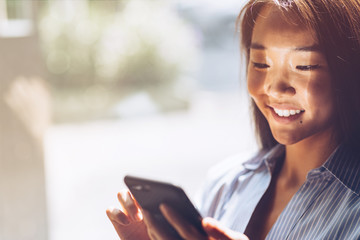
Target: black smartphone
[150, 194]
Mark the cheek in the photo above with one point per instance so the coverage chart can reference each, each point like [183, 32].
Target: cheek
[254, 83]
[319, 98]
[319, 92]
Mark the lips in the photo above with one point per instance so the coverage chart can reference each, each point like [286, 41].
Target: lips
[286, 113]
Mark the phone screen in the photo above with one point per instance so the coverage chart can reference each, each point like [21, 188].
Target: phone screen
[150, 194]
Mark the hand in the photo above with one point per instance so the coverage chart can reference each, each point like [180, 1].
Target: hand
[213, 228]
[216, 231]
[128, 222]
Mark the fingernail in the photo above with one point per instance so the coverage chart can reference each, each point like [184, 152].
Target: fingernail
[208, 222]
[125, 221]
[138, 217]
[164, 207]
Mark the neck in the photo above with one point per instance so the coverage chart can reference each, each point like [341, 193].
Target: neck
[306, 155]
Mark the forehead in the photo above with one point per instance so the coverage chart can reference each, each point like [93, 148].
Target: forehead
[273, 29]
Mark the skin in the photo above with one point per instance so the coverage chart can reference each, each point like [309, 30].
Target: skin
[134, 223]
[286, 71]
[292, 76]
[128, 222]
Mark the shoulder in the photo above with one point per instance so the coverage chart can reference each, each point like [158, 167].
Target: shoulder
[229, 169]
[230, 166]
[344, 165]
[221, 178]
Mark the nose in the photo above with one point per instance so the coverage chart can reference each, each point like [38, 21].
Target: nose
[278, 83]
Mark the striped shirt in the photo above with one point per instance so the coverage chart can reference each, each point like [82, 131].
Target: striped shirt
[327, 205]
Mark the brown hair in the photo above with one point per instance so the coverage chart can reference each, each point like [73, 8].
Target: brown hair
[336, 24]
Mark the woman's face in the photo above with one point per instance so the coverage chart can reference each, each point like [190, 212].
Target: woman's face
[289, 80]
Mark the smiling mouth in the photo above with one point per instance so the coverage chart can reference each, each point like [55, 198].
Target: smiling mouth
[287, 112]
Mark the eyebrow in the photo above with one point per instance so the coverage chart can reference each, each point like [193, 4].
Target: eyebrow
[257, 46]
[312, 48]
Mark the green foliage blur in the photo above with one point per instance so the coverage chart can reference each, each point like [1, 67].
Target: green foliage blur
[98, 53]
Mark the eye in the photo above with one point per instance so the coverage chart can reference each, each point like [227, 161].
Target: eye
[260, 65]
[307, 67]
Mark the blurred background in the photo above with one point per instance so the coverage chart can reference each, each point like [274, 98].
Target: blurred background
[93, 90]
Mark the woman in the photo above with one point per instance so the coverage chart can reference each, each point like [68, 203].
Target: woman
[303, 77]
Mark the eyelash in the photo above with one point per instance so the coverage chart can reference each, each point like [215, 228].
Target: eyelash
[308, 67]
[299, 67]
[260, 65]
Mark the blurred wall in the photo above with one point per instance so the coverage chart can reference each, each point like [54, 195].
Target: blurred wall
[23, 119]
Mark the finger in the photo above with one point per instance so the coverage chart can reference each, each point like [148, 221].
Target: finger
[217, 231]
[119, 220]
[183, 227]
[129, 206]
[129, 194]
[115, 215]
[155, 231]
[137, 205]
[150, 225]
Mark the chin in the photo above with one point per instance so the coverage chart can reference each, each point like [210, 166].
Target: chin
[286, 140]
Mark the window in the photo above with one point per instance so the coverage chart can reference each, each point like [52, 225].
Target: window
[16, 19]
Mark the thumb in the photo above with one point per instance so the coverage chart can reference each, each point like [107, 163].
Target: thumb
[215, 230]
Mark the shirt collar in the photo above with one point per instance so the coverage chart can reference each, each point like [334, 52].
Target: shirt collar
[265, 157]
[344, 164]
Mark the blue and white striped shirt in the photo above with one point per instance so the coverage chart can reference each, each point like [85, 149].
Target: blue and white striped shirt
[327, 205]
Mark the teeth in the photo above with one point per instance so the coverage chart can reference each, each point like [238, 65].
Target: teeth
[286, 112]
